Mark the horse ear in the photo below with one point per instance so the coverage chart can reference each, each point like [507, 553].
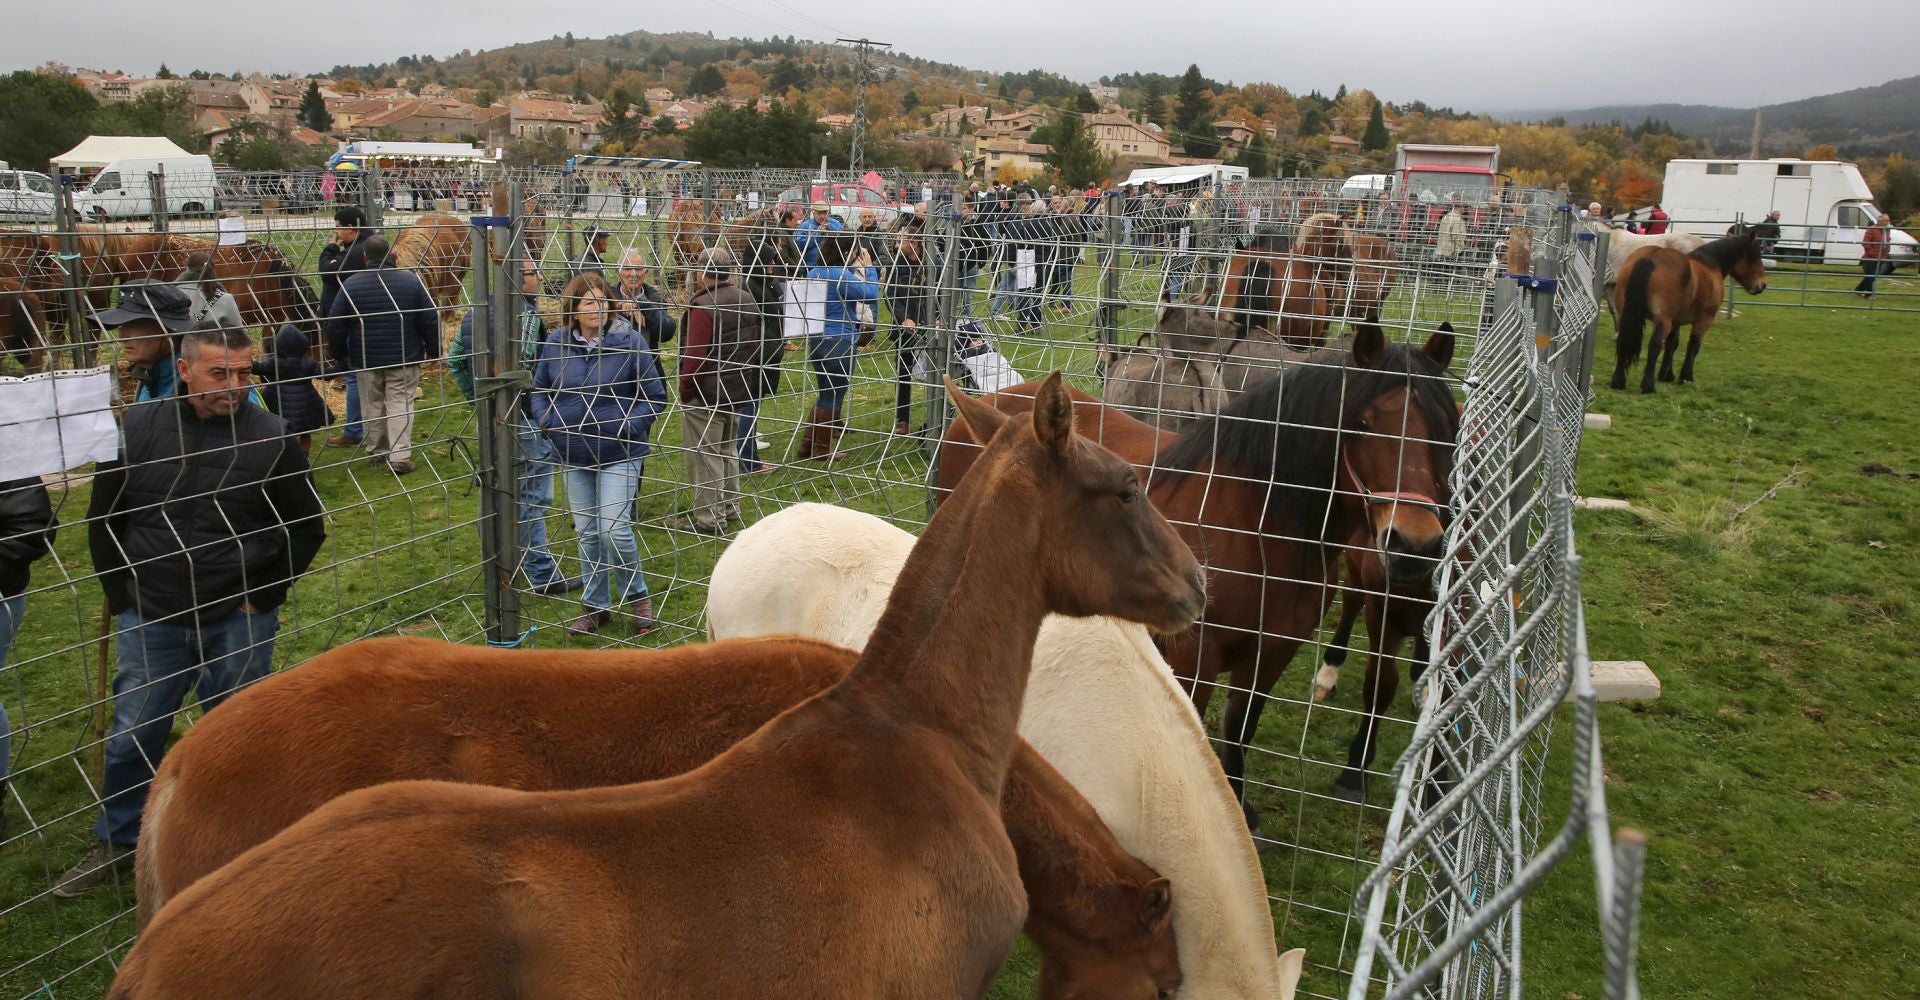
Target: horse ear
[1369, 344]
[1053, 414]
[983, 420]
[1440, 345]
[1156, 903]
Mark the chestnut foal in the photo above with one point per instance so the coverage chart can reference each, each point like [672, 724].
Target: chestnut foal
[402, 707]
[851, 848]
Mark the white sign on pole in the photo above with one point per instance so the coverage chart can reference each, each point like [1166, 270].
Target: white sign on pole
[806, 311]
[57, 421]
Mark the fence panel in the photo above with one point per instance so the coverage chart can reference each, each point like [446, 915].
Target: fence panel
[1409, 887]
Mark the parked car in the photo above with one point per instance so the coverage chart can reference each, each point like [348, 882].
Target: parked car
[27, 195]
[844, 201]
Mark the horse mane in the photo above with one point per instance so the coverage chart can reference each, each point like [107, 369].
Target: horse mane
[1284, 429]
[1726, 251]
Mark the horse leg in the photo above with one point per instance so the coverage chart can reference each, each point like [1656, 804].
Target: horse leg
[1661, 331]
[1246, 699]
[1383, 682]
[1334, 655]
[1666, 357]
[1694, 338]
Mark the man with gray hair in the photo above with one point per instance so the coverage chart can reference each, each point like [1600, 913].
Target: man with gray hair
[197, 532]
[719, 355]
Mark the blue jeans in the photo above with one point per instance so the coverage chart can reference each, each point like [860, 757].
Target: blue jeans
[832, 358]
[536, 499]
[601, 498]
[10, 611]
[1004, 292]
[155, 664]
[749, 448]
[353, 428]
[969, 279]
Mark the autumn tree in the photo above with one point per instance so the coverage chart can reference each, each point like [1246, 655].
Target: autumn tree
[1824, 151]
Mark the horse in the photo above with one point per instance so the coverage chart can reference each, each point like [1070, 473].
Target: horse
[1349, 442]
[688, 222]
[23, 326]
[1198, 362]
[1354, 268]
[35, 269]
[408, 708]
[1101, 706]
[1266, 287]
[1675, 289]
[1621, 244]
[851, 847]
[437, 249]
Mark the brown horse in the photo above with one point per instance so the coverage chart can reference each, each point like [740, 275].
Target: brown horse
[397, 709]
[853, 847]
[437, 249]
[23, 326]
[688, 223]
[1675, 289]
[35, 269]
[1354, 443]
[264, 285]
[1267, 287]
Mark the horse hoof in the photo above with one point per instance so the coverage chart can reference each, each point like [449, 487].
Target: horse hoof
[1325, 681]
[1350, 791]
[1646, 390]
[1666, 376]
[1617, 383]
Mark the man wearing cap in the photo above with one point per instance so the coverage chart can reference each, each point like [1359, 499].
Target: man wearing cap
[591, 260]
[197, 534]
[345, 256]
[719, 366]
[150, 315]
[807, 235]
[386, 323]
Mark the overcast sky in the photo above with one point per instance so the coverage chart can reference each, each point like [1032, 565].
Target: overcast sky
[1479, 56]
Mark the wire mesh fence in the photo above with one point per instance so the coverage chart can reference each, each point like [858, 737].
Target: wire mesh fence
[477, 490]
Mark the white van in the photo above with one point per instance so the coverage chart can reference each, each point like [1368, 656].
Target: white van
[27, 195]
[1825, 205]
[124, 190]
[1360, 187]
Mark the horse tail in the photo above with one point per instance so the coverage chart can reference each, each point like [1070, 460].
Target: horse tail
[1634, 311]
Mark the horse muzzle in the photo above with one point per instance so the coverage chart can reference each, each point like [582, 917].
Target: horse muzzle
[1408, 561]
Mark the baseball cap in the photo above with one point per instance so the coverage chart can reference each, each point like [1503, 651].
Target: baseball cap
[819, 206]
[154, 300]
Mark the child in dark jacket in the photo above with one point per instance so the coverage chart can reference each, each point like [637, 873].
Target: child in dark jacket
[289, 390]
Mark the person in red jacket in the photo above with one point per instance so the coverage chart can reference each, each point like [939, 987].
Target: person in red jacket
[1873, 255]
[1656, 221]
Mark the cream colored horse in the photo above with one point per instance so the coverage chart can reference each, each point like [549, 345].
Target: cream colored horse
[1621, 245]
[1101, 706]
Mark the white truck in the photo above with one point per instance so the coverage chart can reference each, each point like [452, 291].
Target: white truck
[27, 195]
[1825, 206]
[123, 189]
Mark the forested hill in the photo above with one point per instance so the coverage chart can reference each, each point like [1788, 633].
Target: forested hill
[1869, 121]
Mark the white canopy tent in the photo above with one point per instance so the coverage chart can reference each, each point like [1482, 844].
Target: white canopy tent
[96, 151]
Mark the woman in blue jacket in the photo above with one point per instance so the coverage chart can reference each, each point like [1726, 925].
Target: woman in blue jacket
[597, 392]
[851, 279]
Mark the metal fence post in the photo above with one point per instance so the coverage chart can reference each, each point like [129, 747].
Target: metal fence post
[499, 380]
[157, 191]
[1107, 316]
[68, 233]
[370, 201]
[939, 346]
[1592, 339]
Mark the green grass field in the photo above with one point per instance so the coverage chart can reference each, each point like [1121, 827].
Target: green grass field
[1770, 776]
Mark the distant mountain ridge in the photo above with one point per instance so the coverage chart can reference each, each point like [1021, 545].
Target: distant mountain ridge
[1867, 121]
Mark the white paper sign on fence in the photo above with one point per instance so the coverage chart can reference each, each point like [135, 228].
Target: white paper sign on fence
[57, 421]
[233, 231]
[1025, 277]
[806, 312]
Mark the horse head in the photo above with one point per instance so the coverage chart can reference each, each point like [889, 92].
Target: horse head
[1749, 267]
[1396, 447]
[1131, 954]
[1116, 554]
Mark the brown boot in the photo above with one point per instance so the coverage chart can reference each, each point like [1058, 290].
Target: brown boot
[807, 432]
[828, 432]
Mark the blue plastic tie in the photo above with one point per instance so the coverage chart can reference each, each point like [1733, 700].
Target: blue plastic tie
[525, 639]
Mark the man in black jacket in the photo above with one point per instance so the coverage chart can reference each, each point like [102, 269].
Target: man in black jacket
[26, 534]
[197, 534]
[339, 260]
[387, 324]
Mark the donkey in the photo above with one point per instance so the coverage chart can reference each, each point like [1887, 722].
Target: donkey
[853, 847]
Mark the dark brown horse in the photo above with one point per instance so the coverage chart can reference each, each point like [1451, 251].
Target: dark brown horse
[23, 326]
[404, 708]
[1351, 444]
[852, 847]
[1674, 289]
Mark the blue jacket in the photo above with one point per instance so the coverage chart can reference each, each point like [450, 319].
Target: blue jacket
[846, 287]
[806, 236]
[383, 316]
[597, 404]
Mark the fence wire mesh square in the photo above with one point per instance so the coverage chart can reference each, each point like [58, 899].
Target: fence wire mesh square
[1412, 885]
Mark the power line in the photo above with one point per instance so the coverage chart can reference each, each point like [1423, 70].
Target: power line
[866, 47]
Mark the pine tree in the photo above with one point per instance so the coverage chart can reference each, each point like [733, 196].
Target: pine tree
[1193, 114]
[1255, 158]
[163, 73]
[1375, 136]
[706, 80]
[313, 109]
[1075, 156]
[1153, 102]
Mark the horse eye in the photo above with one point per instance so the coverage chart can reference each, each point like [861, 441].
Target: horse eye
[1126, 496]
